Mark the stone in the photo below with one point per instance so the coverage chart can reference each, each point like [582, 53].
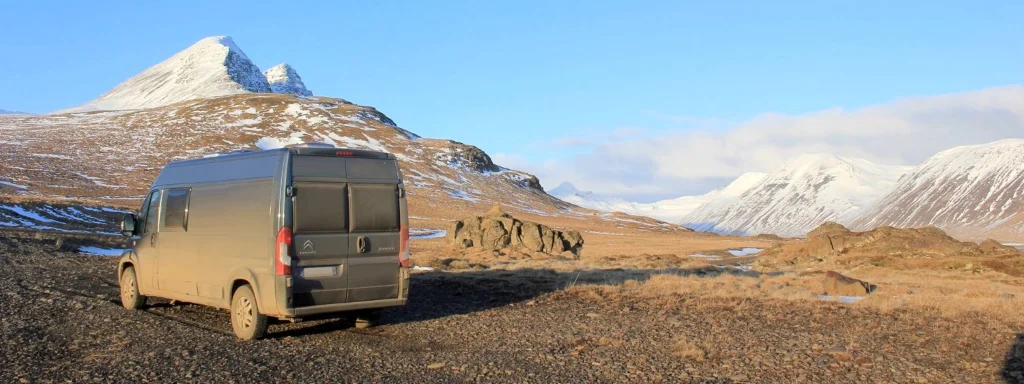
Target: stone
[836, 349]
[498, 231]
[836, 284]
[531, 239]
[435, 366]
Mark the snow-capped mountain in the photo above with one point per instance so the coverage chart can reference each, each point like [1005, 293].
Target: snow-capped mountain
[566, 189]
[798, 196]
[114, 156]
[6, 112]
[671, 210]
[972, 191]
[284, 79]
[212, 67]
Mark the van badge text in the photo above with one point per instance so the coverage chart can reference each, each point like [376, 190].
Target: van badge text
[307, 248]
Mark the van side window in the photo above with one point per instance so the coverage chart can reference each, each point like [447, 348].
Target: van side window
[152, 210]
[175, 217]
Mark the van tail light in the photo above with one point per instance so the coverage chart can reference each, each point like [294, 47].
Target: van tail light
[403, 248]
[283, 261]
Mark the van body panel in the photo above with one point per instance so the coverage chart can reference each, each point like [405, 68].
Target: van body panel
[344, 208]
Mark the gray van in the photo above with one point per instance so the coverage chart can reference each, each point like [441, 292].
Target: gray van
[292, 233]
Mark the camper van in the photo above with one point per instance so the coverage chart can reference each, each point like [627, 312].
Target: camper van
[298, 232]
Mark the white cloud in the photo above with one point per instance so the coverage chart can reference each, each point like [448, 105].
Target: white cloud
[674, 163]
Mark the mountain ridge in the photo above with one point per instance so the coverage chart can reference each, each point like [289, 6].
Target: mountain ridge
[972, 191]
[798, 196]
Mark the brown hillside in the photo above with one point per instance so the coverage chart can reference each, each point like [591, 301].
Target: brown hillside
[114, 156]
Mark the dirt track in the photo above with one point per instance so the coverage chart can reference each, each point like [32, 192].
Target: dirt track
[61, 320]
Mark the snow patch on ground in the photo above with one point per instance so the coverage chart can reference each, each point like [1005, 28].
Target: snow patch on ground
[28, 214]
[370, 143]
[9, 184]
[463, 195]
[97, 251]
[842, 299]
[266, 143]
[744, 251]
[52, 156]
[427, 233]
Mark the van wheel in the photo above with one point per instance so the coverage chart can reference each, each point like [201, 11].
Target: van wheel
[130, 297]
[367, 319]
[246, 319]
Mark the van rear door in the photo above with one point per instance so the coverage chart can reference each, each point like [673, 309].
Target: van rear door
[374, 241]
[319, 231]
[346, 229]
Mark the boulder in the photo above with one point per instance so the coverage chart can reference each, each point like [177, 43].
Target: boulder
[500, 232]
[992, 247]
[828, 239]
[838, 285]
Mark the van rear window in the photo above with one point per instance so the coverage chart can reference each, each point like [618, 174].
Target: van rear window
[319, 207]
[374, 207]
[318, 166]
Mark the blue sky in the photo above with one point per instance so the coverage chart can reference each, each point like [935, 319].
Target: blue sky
[537, 82]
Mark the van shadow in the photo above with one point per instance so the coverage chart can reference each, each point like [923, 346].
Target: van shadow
[1013, 367]
[434, 295]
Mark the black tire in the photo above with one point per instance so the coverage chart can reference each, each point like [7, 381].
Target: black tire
[130, 297]
[367, 319]
[246, 319]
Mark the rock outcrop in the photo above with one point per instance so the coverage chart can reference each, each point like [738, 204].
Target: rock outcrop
[839, 285]
[832, 239]
[832, 242]
[497, 231]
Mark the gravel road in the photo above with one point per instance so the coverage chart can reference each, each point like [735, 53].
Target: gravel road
[61, 321]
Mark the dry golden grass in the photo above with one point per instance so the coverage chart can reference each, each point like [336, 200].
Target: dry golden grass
[949, 295]
[684, 349]
[655, 266]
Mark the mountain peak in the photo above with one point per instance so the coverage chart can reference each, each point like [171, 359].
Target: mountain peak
[567, 189]
[214, 66]
[284, 79]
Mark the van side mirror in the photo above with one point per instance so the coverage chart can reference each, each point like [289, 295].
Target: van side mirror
[128, 225]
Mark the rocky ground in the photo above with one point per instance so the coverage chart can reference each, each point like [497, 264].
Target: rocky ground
[61, 321]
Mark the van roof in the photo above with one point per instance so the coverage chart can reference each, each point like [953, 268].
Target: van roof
[307, 151]
[228, 166]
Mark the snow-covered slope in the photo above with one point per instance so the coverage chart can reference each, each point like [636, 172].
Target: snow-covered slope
[212, 67]
[671, 210]
[799, 196]
[974, 191]
[284, 79]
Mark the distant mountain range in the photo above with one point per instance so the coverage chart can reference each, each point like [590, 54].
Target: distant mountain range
[6, 112]
[971, 191]
[672, 210]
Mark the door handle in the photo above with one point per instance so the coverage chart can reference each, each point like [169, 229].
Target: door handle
[152, 240]
[362, 244]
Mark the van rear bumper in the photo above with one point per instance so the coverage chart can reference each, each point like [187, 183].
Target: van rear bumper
[344, 307]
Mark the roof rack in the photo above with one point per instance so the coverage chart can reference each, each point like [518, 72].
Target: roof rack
[216, 154]
[311, 145]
